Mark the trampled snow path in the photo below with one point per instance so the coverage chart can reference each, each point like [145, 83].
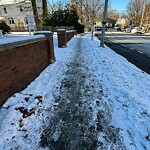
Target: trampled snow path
[74, 124]
[91, 98]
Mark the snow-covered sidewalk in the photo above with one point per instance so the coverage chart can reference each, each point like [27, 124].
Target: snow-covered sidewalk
[91, 98]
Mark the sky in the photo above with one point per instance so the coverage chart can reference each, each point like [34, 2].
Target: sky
[119, 5]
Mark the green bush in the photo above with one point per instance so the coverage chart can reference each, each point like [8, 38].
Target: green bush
[64, 17]
[4, 27]
[79, 27]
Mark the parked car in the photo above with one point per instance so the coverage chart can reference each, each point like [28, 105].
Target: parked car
[117, 27]
[128, 30]
[97, 31]
[137, 30]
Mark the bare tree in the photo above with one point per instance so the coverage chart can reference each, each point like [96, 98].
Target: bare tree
[95, 9]
[88, 11]
[113, 14]
[135, 10]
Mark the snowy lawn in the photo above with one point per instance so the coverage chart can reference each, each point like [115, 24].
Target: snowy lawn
[126, 90]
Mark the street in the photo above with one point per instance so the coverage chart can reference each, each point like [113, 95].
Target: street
[137, 42]
[135, 48]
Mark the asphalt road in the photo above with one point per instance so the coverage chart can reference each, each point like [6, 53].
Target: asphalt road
[136, 56]
[138, 42]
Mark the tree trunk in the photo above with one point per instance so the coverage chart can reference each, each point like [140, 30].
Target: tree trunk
[45, 11]
[35, 13]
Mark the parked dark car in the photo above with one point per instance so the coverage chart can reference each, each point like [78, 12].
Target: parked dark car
[97, 31]
[117, 27]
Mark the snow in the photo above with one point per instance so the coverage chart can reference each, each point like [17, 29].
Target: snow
[9, 2]
[126, 94]
[43, 32]
[16, 38]
[61, 29]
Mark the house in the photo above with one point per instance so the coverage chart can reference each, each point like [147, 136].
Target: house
[14, 13]
[110, 22]
[123, 22]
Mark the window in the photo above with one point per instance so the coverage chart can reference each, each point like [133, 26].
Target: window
[5, 10]
[26, 20]
[21, 9]
[11, 20]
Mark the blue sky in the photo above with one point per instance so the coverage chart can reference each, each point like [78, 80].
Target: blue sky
[119, 5]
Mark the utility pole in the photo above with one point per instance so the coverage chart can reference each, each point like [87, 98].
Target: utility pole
[104, 23]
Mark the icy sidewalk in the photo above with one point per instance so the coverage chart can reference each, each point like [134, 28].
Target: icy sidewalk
[81, 113]
[91, 98]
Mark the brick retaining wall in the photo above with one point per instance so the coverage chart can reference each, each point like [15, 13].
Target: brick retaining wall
[64, 37]
[69, 35]
[21, 63]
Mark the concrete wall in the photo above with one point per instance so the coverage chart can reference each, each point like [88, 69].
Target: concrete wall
[21, 63]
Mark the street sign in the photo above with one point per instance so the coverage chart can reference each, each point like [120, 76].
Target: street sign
[30, 23]
[1, 33]
[142, 19]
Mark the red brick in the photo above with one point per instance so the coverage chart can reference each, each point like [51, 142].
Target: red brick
[19, 66]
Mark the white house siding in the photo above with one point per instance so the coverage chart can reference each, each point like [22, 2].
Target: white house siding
[15, 18]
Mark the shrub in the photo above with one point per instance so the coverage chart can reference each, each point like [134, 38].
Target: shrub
[79, 27]
[4, 27]
[64, 17]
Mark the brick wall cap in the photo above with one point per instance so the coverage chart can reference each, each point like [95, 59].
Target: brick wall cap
[8, 46]
[46, 33]
[61, 31]
[43, 32]
[12, 39]
[70, 31]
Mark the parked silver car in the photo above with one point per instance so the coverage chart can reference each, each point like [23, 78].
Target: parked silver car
[136, 30]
